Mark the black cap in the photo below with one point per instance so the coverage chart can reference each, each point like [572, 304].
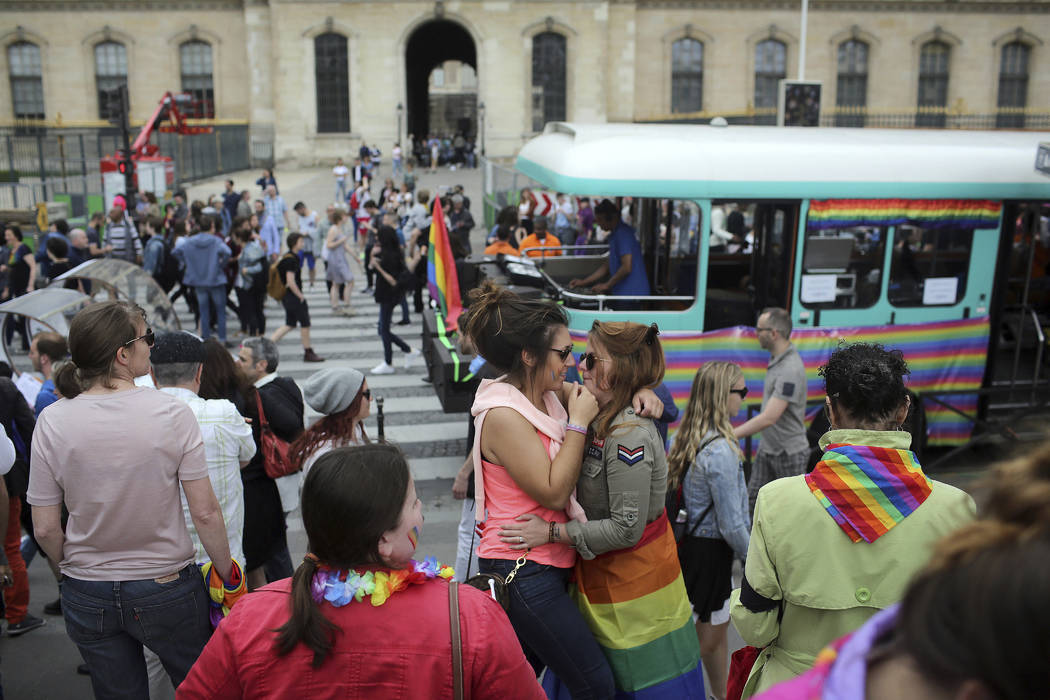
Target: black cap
[179, 346]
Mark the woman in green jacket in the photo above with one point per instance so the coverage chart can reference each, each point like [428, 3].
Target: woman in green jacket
[831, 548]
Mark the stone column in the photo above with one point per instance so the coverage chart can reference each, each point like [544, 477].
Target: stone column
[259, 51]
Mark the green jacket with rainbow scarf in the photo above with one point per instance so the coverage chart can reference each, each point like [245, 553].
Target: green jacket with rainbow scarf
[830, 549]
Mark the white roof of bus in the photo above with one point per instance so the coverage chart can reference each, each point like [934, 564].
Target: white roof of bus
[700, 161]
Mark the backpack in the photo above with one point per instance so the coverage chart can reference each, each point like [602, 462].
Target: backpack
[275, 285]
[168, 272]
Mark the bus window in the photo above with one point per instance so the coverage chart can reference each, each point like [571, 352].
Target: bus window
[842, 268]
[729, 296]
[929, 266]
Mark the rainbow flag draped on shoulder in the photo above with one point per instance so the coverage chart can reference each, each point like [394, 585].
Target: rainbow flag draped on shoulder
[442, 280]
[635, 602]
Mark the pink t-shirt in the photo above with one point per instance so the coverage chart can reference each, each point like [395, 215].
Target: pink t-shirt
[116, 460]
[505, 501]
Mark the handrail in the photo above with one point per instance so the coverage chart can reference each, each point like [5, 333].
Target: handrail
[1040, 344]
[603, 298]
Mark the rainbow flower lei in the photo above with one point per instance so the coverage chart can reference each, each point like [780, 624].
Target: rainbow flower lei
[339, 586]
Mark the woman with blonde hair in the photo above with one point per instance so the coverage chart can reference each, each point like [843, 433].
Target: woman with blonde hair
[628, 584]
[704, 464]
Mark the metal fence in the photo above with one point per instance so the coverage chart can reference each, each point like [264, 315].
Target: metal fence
[923, 118]
[39, 163]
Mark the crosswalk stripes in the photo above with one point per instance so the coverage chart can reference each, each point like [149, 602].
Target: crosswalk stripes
[433, 441]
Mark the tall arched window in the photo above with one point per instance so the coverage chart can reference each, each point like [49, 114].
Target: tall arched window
[687, 75]
[1013, 85]
[195, 65]
[852, 83]
[934, 63]
[770, 69]
[27, 82]
[111, 73]
[333, 83]
[548, 79]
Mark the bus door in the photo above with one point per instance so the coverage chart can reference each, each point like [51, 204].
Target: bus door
[750, 249]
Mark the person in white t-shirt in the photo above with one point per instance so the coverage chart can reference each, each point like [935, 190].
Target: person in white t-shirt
[395, 159]
[177, 363]
[339, 172]
[342, 397]
[308, 227]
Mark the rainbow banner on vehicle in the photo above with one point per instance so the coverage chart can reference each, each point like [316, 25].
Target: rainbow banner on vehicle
[442, 280]
[927, 213]
[635, 603]
[942, 356]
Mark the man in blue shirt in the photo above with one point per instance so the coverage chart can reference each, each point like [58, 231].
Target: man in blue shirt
[47, 349]
[625, 266]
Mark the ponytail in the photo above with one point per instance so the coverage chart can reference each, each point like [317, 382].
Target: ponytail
[307, 623]
[67, 380]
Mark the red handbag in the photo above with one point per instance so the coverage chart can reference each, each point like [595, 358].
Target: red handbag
[276, 461]
[740, 666]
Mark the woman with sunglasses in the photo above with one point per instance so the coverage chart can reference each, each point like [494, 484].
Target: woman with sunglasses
[831, 548]
[125, 546]
[628, 584]
[704, 463]
[343, 399]
[528, 446]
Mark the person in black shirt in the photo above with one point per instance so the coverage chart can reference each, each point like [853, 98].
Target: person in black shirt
[391, 284]
[296, 310]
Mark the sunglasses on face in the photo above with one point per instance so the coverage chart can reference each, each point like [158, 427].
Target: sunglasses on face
[742, 393]
[367, 393]
[148, 337]
[563, 352]
[588, 359]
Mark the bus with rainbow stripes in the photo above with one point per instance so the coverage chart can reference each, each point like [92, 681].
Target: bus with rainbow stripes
[934, 242]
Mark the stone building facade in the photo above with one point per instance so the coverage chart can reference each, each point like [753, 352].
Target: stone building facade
[313, 78]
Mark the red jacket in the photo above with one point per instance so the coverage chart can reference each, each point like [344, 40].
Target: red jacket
[401, 649]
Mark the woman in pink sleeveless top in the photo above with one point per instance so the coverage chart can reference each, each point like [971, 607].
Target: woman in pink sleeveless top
[530, 429]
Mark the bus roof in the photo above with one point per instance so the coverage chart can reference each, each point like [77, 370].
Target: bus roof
[758, 162]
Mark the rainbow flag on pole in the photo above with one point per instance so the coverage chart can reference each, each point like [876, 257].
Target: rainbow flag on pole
[442, 280]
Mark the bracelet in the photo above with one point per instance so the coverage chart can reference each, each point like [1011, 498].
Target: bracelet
[576, 428]
[550, 532]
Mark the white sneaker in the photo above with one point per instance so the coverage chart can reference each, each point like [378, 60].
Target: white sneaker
[411, 357]
[382, 368]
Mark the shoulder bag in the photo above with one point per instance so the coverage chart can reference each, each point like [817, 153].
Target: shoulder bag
[495, 585]
[457, 643]
[275, 456]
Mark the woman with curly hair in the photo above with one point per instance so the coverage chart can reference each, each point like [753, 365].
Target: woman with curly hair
[973, 623]
[343, 398]
[705, 464]
[831, 548]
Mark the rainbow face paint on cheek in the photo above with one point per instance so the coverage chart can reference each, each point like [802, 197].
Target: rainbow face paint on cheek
[413, 537]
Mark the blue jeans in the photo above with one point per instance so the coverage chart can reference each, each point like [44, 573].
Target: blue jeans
[110, 621]
[550, 626]
[212, 299]
[386, 314]
[340, 190]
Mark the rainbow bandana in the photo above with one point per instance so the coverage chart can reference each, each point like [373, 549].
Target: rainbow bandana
[223, 594]
[868, 490]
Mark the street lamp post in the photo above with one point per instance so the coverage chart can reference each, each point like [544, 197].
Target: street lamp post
[481, 119]
[400, 114]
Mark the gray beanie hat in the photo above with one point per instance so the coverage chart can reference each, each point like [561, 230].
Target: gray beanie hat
[332, 390]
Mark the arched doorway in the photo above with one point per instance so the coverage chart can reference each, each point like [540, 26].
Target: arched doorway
[429, 47]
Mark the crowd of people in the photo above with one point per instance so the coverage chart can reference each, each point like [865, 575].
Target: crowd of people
[598, 557]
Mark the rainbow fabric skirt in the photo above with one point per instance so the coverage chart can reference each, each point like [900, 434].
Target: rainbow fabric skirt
[634, 601]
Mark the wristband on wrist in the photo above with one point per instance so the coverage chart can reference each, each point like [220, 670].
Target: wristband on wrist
[550, 532]
[576, 428]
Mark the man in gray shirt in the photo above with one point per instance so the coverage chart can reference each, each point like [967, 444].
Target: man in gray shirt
[784, 449]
